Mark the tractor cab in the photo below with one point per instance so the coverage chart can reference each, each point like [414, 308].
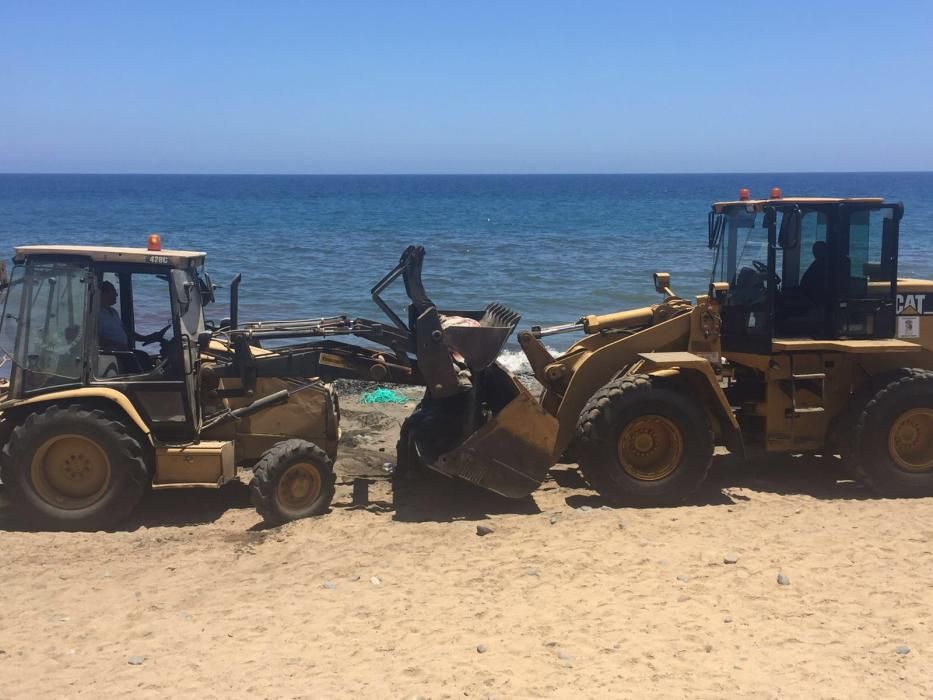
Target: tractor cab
[818, 268]
[126, 319]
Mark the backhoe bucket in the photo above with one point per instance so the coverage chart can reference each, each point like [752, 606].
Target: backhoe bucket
[512, 452]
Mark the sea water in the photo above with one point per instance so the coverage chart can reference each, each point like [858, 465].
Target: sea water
[552, 247]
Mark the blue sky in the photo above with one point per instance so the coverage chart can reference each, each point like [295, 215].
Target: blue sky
[465, 87]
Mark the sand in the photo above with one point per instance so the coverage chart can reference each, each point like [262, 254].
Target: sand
[394, 595]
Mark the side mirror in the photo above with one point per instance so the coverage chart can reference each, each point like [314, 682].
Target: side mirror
[715, 224]
[662, 283]
[234, 303]
[789, 235]
[206, 288]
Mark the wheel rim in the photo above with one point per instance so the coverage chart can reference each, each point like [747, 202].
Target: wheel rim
[910, 441]
[299, 488]
[70, 471]
[650, 448]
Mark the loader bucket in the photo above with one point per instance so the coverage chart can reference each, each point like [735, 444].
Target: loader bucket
[513, 451]
[480, 344]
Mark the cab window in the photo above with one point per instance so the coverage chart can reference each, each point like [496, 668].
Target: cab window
[50, 324]
[869, 275]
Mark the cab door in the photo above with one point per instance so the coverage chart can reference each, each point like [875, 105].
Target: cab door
[158, 382]
[188, 315]
[865, 278]
[748, 266]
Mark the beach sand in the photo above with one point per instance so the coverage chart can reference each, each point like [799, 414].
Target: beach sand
[394, 595]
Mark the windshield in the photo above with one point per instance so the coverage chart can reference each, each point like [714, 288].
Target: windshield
[44, 323]
[743, 242]
[10, 289]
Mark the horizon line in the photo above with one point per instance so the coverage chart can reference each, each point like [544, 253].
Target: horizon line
[471, 174]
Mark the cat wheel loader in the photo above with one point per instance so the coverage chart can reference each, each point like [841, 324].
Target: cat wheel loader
[807, 342]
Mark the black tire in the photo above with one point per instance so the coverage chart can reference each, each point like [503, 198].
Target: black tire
[70, 468]
[301, 464]
[881, 459]
[607, 415]
[409, 466]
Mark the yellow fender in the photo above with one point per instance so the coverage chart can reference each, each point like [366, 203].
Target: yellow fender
[88, 393]
[597, 367]
[701, 378]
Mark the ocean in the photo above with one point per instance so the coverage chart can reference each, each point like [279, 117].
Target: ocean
[552, 247]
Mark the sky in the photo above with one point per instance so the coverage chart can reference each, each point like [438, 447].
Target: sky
[465, 87]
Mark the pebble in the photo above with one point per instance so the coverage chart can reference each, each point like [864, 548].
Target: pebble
[708, 648]
[730, 558]
[783, 580]
[532, 572]
[136, 660]
[554, 520]
[621, 525]
[727, 619]
[355, 577]
[375, 580]
[329, 585]
[584, 509]
[902, 649]
[483, 530]
[481, 648]
[566, 656]
[550, 643]
[683, 578]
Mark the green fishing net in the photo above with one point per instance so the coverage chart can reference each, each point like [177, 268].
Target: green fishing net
[382, 395]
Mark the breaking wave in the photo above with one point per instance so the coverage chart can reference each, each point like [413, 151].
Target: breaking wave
[516, 362]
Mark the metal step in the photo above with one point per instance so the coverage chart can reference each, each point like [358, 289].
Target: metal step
[807, 376]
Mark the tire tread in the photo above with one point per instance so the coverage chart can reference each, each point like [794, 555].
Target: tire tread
[14, 457]
[280, 456]
[599, 412]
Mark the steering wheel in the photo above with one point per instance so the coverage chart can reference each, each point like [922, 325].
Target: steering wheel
[762, 269]
[158, 336]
